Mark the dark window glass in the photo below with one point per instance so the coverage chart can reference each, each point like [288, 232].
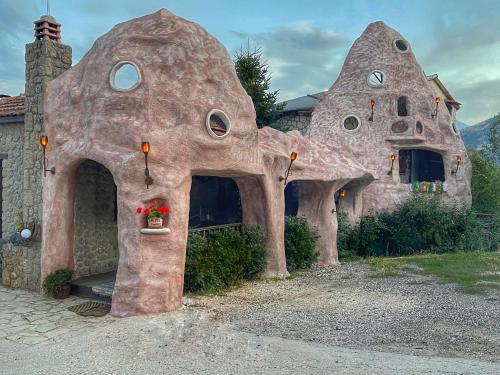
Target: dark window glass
[402, 106]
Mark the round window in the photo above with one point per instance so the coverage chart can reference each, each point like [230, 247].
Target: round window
[401, 45]
[125, 76]
[376, 78]
[419, 127]
[351, 122]
[454, 127]
[218, 124]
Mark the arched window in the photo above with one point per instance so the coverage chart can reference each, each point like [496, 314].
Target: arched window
[402, 106]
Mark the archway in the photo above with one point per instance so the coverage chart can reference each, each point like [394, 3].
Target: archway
[292, 198]
[417, 165]
[96, 232]
[214, 201]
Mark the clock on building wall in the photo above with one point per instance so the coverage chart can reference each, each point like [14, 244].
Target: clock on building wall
[376, 78]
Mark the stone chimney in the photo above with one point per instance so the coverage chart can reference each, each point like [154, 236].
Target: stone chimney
[46, 58]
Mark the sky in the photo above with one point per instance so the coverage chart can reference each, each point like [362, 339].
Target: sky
[304, 42]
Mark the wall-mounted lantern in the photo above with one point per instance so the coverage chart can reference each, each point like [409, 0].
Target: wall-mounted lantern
[293, 157]
[44, 141]
[436, 100]
[458, 161]
[372, 105]
[393, 159]
[342, 194]
[146, 148]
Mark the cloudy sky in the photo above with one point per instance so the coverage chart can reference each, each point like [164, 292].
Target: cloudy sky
[304, 42]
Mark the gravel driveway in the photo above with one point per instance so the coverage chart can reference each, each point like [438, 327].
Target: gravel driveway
[328, 321]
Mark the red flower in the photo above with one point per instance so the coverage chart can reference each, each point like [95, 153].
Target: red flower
[147, 211]
[139, 210]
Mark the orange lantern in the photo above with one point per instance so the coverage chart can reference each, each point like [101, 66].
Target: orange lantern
[393, 157]
[145, 147]
[342, 193]
[293, 156]
[44, 141]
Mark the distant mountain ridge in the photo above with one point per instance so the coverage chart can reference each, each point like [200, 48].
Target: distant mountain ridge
[474, 136]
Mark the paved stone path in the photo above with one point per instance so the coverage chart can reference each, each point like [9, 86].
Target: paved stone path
[29, 319]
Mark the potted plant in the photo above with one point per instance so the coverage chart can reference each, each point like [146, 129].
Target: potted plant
[58, 283]
[154, 214]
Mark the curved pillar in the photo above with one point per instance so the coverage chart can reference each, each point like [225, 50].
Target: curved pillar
[263, 203]
[150, 277]
[58, 220]
[316, 204]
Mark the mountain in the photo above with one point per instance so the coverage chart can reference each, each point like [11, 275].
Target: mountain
[462, 125]
[474, 136]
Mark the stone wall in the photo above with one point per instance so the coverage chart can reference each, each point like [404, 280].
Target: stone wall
[21, 266]
[45, 60]
[11, 143]
[96, 233]
[293, 121]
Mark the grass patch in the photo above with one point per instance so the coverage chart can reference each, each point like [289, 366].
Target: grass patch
[473, 272]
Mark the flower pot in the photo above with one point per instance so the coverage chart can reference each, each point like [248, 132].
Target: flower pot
[155, 223]
[62, 293]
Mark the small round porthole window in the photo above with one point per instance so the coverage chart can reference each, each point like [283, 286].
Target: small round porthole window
[218, 124]
[351, 122]
[454, 128]
[125, 76]
[401, 45]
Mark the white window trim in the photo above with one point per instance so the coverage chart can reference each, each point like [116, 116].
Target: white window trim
[397, 49]
[114, 70]
[222, 115]
[348, 130]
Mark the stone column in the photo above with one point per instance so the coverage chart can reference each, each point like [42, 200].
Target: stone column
[45, 60]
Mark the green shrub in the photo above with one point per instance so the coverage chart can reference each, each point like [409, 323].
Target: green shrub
[344, 234]
[300, 244]
[223, 259]
[420, 225]
[57, 280]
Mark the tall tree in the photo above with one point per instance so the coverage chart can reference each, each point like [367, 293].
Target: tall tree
[255, 78]
[491, 149]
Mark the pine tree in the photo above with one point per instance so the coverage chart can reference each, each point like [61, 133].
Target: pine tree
[255, 78]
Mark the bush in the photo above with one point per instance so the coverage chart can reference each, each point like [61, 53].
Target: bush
[57, 280]
[300, 244]
[420, 225]
[222, 259]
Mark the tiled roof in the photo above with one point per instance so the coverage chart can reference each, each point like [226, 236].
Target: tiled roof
[303, 103]
[12, 106]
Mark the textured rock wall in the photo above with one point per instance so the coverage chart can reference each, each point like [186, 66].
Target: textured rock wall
[293, 121]
[96, 231]
[21, 266]
[11, 143]
[45, 60]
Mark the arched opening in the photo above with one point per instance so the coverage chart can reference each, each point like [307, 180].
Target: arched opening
[292, 199]
[214, 201]
[402, 106]
[420, 165]
[96, 232]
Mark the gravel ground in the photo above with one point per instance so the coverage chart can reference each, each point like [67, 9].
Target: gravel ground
[343, 306]
[327, 321]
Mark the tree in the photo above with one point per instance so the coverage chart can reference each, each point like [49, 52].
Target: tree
[255, 78]
[491, 149]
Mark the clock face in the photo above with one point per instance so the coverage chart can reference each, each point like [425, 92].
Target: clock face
[376, 78]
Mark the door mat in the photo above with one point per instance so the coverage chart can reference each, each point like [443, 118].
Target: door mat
[91, 308]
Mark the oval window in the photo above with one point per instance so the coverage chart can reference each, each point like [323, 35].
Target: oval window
[401, 45]
[125, 76]
[399, 127]
[454, 127]
[351, 122]
[218, 124]
[419, 127]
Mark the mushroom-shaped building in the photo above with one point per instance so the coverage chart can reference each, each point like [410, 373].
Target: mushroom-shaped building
[187, 102]
[383, 110]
